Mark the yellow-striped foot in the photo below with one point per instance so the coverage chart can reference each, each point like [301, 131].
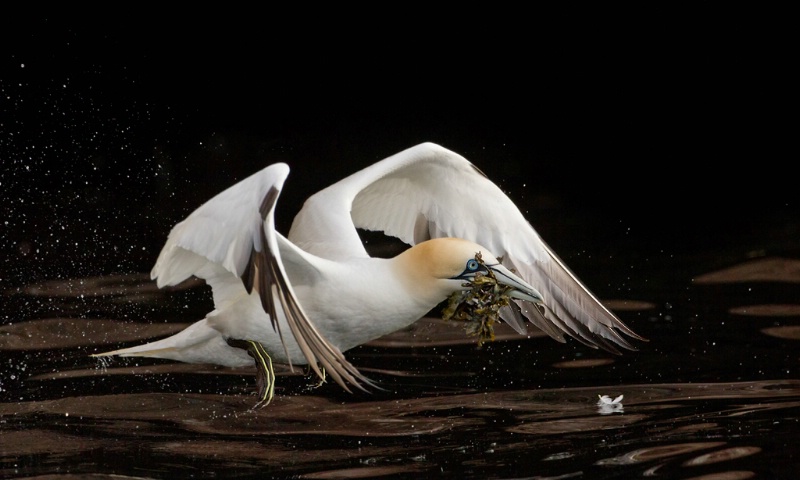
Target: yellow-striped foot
[321, 380]
[265, 374]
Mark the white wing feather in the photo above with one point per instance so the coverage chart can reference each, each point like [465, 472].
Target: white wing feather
[231, 242]
[428, 191]
[222, 231]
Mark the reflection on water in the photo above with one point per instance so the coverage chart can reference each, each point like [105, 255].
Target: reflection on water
[721, 405]
[552, 429]
[53, 333]
[758, 270]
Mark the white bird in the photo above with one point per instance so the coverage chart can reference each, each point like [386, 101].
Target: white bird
[322, 286]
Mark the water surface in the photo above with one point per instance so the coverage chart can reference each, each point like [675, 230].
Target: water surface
[722, 405]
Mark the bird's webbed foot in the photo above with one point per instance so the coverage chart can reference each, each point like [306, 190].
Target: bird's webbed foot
[323, 379]
[265, 374]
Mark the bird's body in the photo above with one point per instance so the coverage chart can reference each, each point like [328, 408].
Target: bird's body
[308, 297]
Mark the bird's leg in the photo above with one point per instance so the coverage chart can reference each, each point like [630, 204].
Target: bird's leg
[265, 374]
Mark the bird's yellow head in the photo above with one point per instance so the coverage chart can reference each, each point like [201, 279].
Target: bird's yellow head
[448, 258]
[443, 265]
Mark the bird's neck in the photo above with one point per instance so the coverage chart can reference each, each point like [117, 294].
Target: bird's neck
[418, 280]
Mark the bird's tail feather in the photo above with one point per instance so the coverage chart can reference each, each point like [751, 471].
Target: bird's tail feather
[198, 343]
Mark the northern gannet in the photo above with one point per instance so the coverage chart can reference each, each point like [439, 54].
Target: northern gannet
[320, 284]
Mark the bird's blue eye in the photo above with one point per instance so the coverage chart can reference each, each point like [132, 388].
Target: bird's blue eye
[472, 265]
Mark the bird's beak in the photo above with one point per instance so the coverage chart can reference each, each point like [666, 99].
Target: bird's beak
[521, 289]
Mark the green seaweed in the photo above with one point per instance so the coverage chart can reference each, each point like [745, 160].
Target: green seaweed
[479, 307]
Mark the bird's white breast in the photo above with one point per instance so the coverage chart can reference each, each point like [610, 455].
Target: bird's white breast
[362, 299]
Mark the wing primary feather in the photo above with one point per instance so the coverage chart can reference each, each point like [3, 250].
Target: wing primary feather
[260, 272]
[249, 275]
[572, 309]
[511, 315]
[479, 171]
[614, 322]
[537, 318]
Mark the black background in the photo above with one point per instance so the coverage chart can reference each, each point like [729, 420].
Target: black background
[659, 129]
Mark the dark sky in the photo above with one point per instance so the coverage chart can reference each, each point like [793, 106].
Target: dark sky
[667, 121]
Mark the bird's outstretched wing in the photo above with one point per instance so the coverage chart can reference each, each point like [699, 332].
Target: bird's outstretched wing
[232, 239]
[427, 192]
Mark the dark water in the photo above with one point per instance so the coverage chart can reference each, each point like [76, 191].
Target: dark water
[714, 394]
[653, 167]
